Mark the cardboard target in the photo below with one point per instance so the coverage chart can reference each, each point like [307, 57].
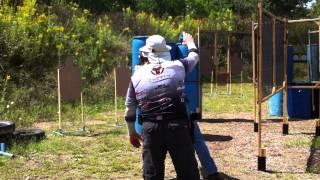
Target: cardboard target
[236, 65]
[123, 79]
[70, 80]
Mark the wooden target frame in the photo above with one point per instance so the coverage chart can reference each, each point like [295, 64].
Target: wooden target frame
[257, 65]
[258, 62]
[69, 85]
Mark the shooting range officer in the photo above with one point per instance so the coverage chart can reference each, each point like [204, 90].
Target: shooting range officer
[157, 88]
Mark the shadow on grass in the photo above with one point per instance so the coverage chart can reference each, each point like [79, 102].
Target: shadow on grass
[226, 120]
[301, 133]
[313, 164]
[220, 138]
[283, 172]
[221, 176]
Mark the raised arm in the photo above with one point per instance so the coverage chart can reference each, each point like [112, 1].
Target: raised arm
[192, 59]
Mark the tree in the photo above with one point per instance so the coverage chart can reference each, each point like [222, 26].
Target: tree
[289, 8]
[162, 7]
[315, 9]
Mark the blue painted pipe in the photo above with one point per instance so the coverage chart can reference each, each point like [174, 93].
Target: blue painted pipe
[2, 151]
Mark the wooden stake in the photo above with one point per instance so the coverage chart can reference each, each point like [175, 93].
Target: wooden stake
[211, 83]
[59, 100]
[262, 153]
[260, 74]
[199, 74]
[310, 52]
[254, 72]
[274, 66]
[82, 111]
[115, 95]
[229, 65]
[241, 84]
[285, 82]
[216, 60]
[310, 69]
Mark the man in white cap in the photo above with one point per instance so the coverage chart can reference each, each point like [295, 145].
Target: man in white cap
[157, 88]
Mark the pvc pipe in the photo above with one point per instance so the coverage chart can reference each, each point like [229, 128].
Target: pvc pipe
[6, 154]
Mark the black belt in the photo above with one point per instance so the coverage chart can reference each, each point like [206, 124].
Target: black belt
[163, 117]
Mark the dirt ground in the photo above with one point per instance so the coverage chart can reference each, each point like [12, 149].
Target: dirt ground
[233, 143]
[233, 146]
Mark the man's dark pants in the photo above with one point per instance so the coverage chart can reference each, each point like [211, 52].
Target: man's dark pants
[174, 137]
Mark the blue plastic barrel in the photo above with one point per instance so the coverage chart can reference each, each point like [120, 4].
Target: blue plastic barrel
[299, 103]
[173, 51]
[275, 104]
[136, 44]
[191, 83]
[182, 53]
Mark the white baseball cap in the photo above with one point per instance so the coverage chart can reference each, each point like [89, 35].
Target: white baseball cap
[156, 49]
[155, 44]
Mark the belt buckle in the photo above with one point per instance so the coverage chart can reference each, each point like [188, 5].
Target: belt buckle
[159, 117]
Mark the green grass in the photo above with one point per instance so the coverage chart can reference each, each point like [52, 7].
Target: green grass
[316, 143]
[104, 156]
[302, 142]
[316, 146]
[108, 154]
[240, 100]
[100, 157]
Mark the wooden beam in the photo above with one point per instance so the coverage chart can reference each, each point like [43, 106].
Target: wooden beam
[272, 15]
[272, 94]
[304, 20]
[304, 87]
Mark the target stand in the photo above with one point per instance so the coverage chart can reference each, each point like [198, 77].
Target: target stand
[69, 88]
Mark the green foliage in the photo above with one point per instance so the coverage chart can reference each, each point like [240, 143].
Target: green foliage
[292, 9]
[315, 9]
[146, 24]
[162, 8]
[34, 40]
